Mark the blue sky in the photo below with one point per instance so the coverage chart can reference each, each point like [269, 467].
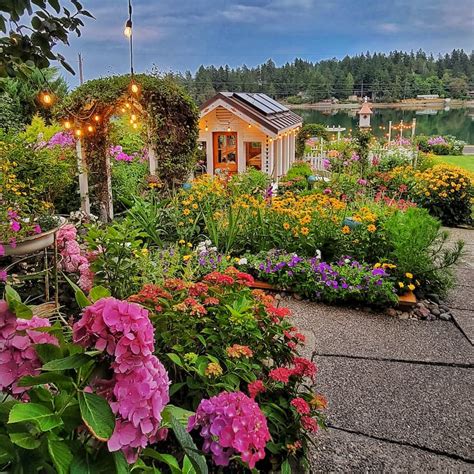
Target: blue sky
[180, 35]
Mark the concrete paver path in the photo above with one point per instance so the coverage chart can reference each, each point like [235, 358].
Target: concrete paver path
[400, 392]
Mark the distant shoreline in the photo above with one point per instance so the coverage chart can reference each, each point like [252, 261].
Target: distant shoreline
[414, 104]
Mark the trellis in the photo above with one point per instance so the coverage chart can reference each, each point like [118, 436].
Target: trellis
[168, 113]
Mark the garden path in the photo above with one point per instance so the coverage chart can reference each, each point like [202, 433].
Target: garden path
[399, 391]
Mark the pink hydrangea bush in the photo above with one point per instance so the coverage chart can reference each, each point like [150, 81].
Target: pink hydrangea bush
[18, 356]
[231, 424]
[140, 383]
[74, 259]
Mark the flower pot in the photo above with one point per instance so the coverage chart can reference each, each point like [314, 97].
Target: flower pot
[33, 243]
[407, 300]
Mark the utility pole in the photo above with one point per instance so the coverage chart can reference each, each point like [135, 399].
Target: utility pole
[81, 72]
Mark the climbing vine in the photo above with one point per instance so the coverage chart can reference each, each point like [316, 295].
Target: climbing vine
[306, 132]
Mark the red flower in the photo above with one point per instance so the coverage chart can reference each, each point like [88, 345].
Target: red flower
[237, 351]
[219, 278]
[198, 289]
[211, 301]
[301, 405]
[175, 284]
[255, 388]
[282, 374]
[304, 367]
[278, 312]
[309, 424]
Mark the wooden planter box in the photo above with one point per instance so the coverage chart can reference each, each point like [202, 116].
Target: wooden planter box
[262, 285]
[407, 300]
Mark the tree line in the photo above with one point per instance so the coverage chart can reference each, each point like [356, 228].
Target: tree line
[383, 77]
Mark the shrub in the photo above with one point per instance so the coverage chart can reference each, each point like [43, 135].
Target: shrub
[220, 335]
[447, 192]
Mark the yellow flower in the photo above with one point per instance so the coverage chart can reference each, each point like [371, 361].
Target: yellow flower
[189, 244]
[186, 257]
[186, 212]
[182, 242]
[304, 230]
[194, 206]
[409, 275]
[371, 228]
[377, 265]
[145, 251]
[346, 230]
[213, 369]
[400, 284]
[286, 226]
[411, 286]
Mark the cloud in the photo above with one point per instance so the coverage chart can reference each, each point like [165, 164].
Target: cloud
[388, 27]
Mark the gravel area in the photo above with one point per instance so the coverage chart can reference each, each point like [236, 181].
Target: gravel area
[349, 332]
[338, 451]
[423, 405]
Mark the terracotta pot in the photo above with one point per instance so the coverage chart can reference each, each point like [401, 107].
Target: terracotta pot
[33, 243]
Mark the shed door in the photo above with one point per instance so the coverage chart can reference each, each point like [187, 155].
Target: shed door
[225, 151]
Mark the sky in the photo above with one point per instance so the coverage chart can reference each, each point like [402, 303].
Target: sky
[180, 35]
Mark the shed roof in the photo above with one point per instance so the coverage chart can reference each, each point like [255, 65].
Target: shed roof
[260, 108]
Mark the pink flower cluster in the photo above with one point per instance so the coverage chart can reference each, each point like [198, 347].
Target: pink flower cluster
[231, 423]
[3, 273]
[74, 259]
[140, 384]
[62, 139]
[17, 353]
[437, 141]
[119, 155]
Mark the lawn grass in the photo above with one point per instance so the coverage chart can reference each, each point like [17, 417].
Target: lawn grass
[463, 161]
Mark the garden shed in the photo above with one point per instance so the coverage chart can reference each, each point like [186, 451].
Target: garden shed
[240, 130]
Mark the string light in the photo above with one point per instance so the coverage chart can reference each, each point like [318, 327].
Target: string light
[250, 126]
[134, 88]
[46, 98]
[135, 125]
[90, 128]
[67, 124]
[123, 110]
[128, 105]
[97, 118]
[133, 117]
[78, 132]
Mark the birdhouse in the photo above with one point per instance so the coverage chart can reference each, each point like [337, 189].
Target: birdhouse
[364, 114]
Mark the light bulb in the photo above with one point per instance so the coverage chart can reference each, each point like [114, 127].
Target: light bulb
[90, 128]
[78, 132]
[128, 29]
[135, 88]
[228, 129]
[123, 110]
[67, 124]
[135, 125]
[46, 98]
[250, 126]
[207, 128]
[128, 105]
[97, 118]
[134, 117]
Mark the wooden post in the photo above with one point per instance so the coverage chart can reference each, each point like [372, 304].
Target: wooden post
[413, 128]
[389, 132]
[151, 160]
[110, 199]
[83, 179]
[401, 129]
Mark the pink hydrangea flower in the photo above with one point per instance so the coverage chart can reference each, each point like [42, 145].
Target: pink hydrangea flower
[3, 275]
[231, 423]
[74, 260]
[17, 353]
[2, 250]
[140, 383]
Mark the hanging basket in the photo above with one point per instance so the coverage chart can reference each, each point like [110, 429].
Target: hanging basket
[33, 243]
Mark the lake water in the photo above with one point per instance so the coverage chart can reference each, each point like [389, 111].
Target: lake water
[457, 122]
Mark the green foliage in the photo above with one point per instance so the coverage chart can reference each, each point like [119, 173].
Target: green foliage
[252, 182]
[418, 246]
[128, 181]
[31, 45]
[306, 132]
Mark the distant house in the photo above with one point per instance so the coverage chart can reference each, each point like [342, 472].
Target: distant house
[240, 130]
[427, 96]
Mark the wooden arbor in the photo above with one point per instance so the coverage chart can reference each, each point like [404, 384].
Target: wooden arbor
[171, 124]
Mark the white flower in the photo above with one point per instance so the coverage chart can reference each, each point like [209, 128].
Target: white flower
[347, 260]
[243, 261]
[318, 254]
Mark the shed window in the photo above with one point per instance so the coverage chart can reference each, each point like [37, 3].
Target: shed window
[253, 155]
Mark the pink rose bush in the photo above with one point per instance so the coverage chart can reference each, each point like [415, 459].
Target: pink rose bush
[140, 383]
[231, 423]
[18, 356]
[74, 260]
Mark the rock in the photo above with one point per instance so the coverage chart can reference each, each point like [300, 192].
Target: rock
[278, 296]
[444, 307]
[434, 297]
[445, 316]
[366, 309]
[423, 312]
[391, 312]
[404, 315]
[436, 312]
[297, 297]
